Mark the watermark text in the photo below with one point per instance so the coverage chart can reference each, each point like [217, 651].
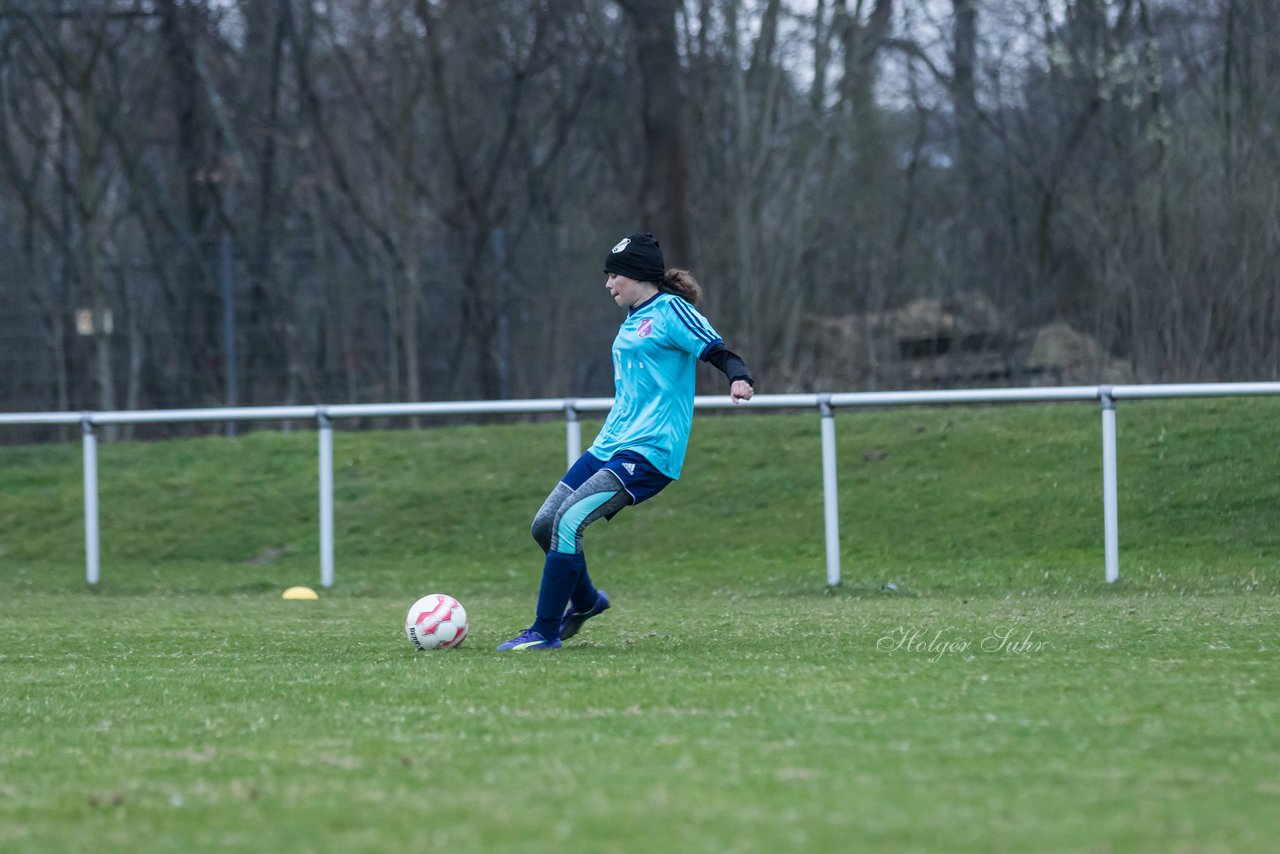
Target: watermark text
[935, 644]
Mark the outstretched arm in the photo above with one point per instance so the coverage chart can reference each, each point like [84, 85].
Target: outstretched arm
[741, 386]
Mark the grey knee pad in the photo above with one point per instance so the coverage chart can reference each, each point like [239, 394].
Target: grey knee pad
[600, 496]
[544, 521]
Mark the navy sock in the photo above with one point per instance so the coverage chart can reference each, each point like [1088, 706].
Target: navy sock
[584, 594]
[560, 576]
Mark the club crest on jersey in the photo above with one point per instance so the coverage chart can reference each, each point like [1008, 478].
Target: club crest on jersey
[645, 328]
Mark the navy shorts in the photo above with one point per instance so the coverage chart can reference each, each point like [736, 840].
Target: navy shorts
[639, 478]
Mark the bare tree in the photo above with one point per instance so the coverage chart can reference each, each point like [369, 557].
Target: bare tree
[69, 57]
[664, 185]
[406, 198]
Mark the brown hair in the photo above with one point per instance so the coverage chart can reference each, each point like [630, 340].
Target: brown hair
[682, 284]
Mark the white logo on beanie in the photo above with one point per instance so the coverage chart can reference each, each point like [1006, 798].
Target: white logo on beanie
[622, 244]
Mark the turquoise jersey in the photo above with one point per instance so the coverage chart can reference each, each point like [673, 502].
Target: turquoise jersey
[654, 356]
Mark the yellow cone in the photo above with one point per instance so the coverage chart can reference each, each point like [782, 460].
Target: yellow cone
[300, 593]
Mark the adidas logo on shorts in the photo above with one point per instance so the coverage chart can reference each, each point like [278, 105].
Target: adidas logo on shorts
[630, 467]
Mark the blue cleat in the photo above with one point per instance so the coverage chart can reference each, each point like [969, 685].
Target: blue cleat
[530, 640]
[573, 620]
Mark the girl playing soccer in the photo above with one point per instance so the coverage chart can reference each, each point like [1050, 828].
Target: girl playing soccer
[641, 447]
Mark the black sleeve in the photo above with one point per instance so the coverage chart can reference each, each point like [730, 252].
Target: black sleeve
[730, 363]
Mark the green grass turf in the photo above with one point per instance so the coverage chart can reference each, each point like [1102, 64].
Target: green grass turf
[727, 703]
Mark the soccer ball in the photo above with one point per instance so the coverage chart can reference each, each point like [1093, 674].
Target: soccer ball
[436, 622]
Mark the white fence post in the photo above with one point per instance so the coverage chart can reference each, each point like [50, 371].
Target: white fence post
[326, 497]
[573, 431]
[830, 499]
[92, 566]
[1111, 523]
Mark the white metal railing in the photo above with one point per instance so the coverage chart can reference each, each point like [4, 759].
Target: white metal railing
[826, 404]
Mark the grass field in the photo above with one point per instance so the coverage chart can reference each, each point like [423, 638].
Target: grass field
[973, 685]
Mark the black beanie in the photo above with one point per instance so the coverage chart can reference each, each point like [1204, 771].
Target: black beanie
[637, 257]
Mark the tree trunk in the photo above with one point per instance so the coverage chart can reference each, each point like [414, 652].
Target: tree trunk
[663, 187]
